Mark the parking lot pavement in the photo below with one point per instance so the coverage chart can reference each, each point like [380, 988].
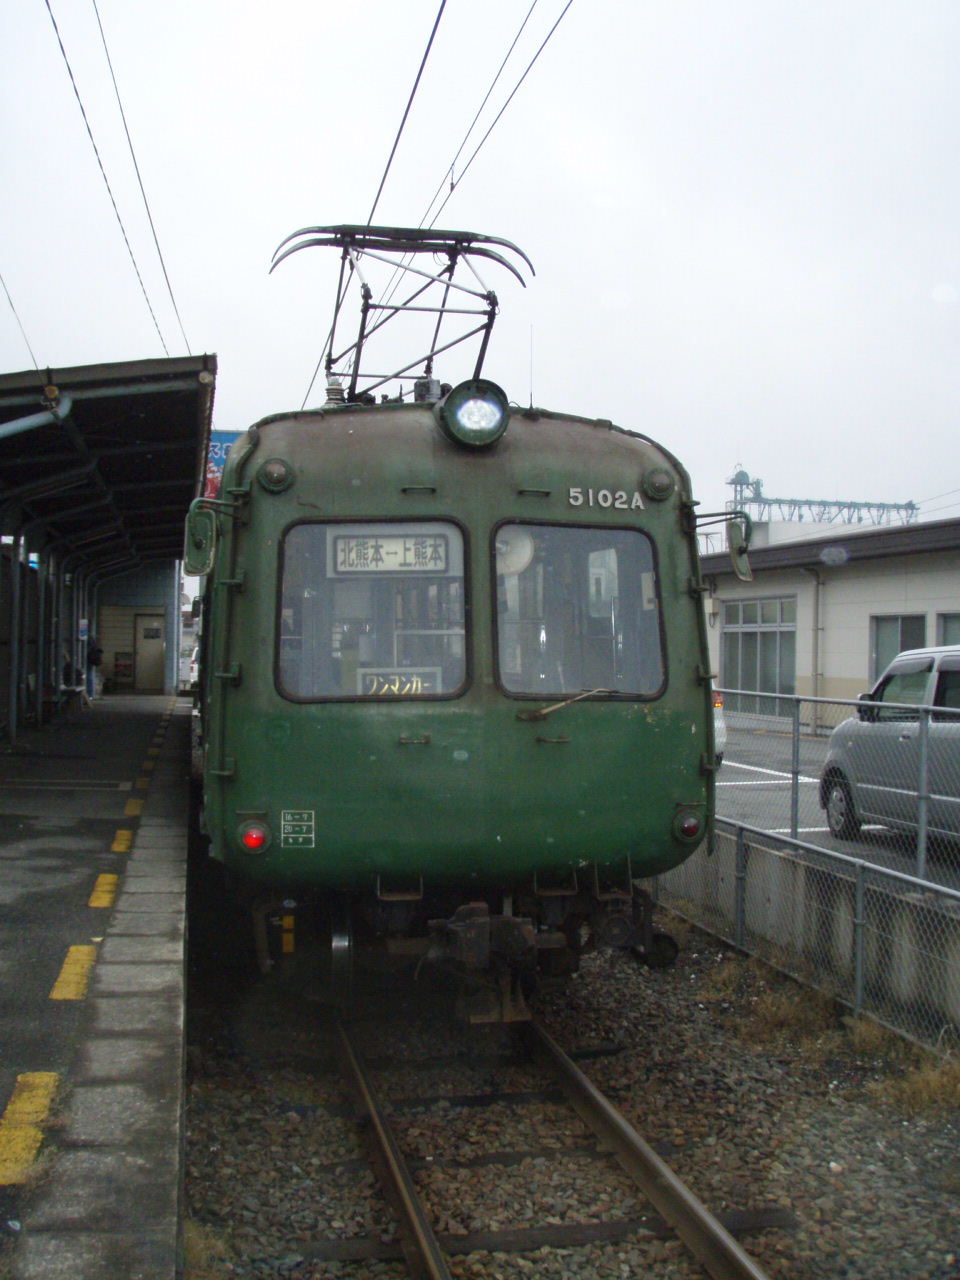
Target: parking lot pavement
[754, 786]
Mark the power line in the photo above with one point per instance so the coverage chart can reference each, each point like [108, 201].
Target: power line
[483, 140]
[502, 110]
[393, 152]
[146, 204]
[947, 507]
[923, 501]
[103, 171]
[394, 282]
[17, 318]
[473, 122]
[413, 92]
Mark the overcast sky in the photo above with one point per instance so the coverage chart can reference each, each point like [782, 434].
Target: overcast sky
[744, 214]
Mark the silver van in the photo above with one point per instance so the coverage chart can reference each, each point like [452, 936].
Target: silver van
[876, 760]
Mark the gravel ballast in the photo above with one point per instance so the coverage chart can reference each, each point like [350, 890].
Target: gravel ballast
[753, 1090]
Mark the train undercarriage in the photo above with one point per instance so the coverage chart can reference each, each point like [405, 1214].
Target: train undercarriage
[492, 951]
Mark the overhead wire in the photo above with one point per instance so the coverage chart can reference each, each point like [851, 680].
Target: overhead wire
[146, 203]
[949, 493]
[106, 180]
[499, 114]
[479, 112]
[947, 507]
[16, 317]
[478, 148]
[393, 283]
[413, 92]
[393, 152]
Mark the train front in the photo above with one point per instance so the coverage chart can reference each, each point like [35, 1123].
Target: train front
[455, 677]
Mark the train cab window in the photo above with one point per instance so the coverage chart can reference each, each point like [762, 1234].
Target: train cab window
[577, 608]
[372, 610]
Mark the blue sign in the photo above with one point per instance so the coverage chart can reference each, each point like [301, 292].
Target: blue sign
[220, 442]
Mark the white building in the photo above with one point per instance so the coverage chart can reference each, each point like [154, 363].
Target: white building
[824, 615]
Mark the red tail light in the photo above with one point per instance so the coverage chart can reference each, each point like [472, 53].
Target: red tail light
[254, 837]
[688, 825]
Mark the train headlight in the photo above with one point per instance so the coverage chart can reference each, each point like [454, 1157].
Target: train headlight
[474, 413]
[254, 837]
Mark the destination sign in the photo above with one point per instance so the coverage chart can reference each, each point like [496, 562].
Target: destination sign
[390, 553]
[405, 683]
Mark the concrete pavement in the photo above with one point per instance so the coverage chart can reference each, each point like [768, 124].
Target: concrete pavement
[93, 846]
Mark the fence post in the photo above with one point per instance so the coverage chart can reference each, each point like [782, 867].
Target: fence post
[923, 793]
[859, 922]
[795, 771]
[740, 891]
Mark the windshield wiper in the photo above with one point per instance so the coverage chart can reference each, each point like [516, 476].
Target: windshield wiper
[543, 712]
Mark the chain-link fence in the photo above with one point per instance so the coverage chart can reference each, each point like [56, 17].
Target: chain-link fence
[882, 942]
[877, 778]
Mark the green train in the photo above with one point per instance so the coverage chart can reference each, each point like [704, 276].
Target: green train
[455, 688]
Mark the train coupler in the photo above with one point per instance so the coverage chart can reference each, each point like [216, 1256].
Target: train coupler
[495, 958]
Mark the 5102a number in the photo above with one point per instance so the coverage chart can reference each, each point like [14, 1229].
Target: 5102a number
[617, 499]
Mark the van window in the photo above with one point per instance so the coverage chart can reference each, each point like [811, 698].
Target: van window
[907, 686]
[948, 693]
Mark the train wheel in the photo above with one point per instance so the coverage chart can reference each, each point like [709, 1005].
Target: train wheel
[661, 953]
[340, 951]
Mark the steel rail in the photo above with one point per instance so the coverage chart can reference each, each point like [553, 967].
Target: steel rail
[699, 1230]
[422, 1249]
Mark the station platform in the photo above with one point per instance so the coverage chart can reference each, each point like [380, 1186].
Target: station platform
[93, 856]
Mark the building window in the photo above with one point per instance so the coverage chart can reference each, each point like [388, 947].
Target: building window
[759, 653]
[891, 635]
[948, 628]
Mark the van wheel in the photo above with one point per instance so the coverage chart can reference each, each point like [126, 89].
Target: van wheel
[841, 818]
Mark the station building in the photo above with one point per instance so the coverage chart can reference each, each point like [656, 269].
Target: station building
[98, 466]
[826, 612]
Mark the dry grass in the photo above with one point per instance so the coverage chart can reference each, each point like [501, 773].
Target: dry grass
[768, 1004]
[794, 1019]
[871, 1039]
[766, 1008]
[730, 979]
[932, 1086]
[206, 1253]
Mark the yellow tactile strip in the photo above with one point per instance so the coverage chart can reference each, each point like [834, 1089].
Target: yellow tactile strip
[22, 1123]
[74, 976]
[27, 1113]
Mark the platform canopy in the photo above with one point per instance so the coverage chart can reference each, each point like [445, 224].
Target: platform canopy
[100, 462]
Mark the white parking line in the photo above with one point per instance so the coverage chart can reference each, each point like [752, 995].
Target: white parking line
[754, 768]
[771, 782]
[785, 831]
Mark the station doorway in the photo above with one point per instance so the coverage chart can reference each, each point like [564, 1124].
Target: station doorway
[149, 651]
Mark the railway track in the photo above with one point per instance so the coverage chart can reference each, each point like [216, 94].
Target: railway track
[670, 1208]
[280, 1185]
